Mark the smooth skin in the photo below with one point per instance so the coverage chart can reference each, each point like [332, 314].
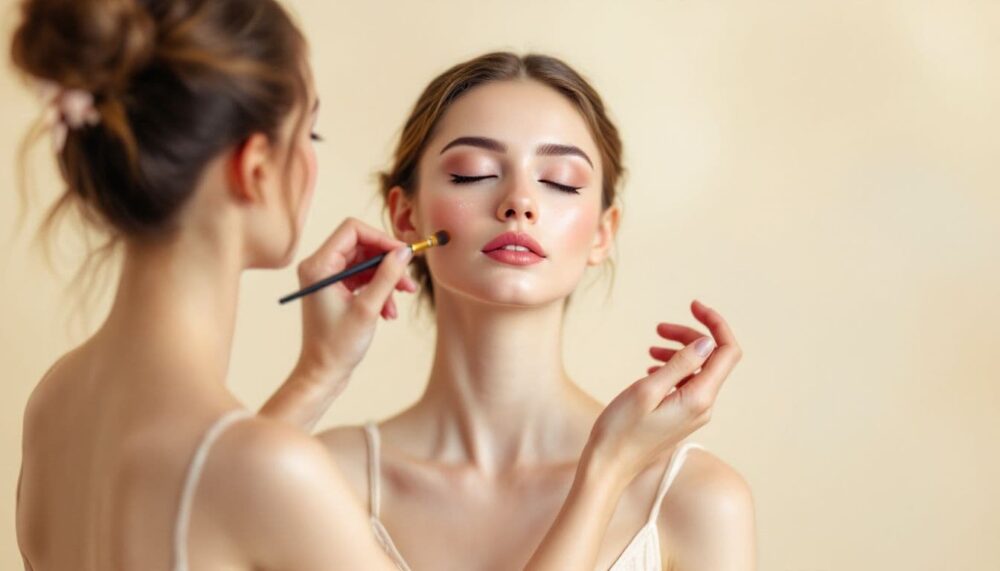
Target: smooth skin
[476, 470]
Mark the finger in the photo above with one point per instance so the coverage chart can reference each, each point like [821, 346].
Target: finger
[683, 364]
[715, 371]
[696, 395]
[662, 353]
[374, 295]
[390, 308]
[407, 284]
[687, 360]
[686, 335]
[353, 235]
[347, 245]
[714, 321]
[652, 369]
[358, 281]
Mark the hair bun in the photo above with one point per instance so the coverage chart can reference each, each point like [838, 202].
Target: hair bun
[94, 45]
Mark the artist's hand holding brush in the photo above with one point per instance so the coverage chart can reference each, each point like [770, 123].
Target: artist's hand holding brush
[338, 321]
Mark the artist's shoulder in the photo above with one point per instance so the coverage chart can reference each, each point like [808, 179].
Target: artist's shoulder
[280, 499]
[270, 453]
[348, 446]
[272, 465]
[708, 515]
[53, 392]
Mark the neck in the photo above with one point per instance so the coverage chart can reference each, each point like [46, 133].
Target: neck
[175, 308]
[498, 390]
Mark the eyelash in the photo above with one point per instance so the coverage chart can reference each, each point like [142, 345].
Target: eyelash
[562, 187]
[459, 179]
[316, 137]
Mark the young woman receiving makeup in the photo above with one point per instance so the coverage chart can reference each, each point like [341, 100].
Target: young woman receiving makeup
[518, 159]
[183, 132]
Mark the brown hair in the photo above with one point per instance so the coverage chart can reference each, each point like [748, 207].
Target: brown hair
[499, 66]
[175, 83]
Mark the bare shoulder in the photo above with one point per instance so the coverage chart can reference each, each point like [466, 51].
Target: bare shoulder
[706, 483]
[262, 467]
[47, 391]
[708, 516]
[274, 461]
[267, 460]
[348, 446]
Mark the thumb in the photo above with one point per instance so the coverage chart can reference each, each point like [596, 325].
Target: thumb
[383, 283]
[683, 364]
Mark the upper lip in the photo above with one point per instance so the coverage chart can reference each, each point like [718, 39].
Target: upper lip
[516, 238]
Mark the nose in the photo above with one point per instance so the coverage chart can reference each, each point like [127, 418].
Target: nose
[518, 204]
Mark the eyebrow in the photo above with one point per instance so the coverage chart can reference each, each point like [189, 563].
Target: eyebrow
[549, 150]
[481, 142]
[553, 149]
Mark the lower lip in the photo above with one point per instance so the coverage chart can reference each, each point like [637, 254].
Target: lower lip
[515, 258]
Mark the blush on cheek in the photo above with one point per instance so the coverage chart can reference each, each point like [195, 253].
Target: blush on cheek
[579, 229]
[447, 213]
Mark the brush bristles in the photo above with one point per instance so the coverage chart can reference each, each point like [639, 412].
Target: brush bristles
[439, 238]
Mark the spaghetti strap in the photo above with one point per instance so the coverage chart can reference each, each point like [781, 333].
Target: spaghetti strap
[191, 484]
[673, 468]
[374, 496]
[372, 438]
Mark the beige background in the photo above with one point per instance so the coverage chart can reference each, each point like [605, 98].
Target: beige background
[823, 172]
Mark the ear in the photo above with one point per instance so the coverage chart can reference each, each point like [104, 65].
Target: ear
[607, 228]
[252, 169]
[402, 215]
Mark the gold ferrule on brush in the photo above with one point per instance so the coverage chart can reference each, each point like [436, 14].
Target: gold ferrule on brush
[422, 245]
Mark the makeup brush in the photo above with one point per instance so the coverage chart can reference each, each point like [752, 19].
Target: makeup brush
[440, 238]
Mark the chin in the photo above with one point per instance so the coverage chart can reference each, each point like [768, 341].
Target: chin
[284, 261]
[274, 258]
[512, 293]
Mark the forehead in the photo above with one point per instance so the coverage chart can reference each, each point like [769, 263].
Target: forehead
[521, 113]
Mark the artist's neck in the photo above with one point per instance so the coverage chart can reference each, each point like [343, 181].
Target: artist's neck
[175, 306]
[498, 384]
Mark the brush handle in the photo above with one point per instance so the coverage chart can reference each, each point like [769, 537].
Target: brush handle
[365, 265]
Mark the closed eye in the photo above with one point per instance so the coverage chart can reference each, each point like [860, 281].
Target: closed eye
[460, 179]
[562, 187]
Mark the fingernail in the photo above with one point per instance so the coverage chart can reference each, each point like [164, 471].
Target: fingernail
[403, 254]
[704, 346]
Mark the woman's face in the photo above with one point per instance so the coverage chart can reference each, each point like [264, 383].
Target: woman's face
[305, 156]
[304, 168]
[514, 175]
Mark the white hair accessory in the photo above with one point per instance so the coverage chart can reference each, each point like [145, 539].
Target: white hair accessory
[67, 109]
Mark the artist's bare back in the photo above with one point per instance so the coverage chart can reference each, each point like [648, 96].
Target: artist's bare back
[106, 448]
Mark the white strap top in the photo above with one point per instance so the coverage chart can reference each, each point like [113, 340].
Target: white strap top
[374, 491]
[180, 552]
[641, 554]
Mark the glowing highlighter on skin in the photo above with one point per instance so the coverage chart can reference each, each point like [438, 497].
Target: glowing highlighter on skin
[440, 238]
